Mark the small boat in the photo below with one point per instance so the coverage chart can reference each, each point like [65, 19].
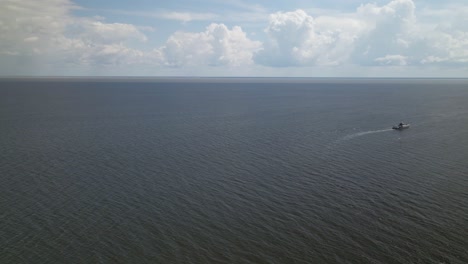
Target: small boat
[401, 126]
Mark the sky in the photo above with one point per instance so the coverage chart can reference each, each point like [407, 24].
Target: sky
[294, 38]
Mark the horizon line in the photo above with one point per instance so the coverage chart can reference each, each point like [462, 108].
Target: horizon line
[206, 77]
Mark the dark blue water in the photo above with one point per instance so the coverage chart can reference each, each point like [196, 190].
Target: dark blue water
[233, 171]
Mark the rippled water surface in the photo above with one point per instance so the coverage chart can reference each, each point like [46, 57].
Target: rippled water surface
[233, 171]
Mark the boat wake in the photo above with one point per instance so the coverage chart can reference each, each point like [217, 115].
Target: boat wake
[355, 135]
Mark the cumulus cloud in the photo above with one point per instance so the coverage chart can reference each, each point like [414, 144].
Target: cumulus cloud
[394, 34]
[45, 31]
[391, 30]
[49, 33]
[29, 27]
[217, 45]
[371, 36]
[446, 45]
[421, 42]
[296, 38]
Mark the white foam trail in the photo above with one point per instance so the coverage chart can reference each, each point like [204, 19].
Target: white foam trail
[365, 133]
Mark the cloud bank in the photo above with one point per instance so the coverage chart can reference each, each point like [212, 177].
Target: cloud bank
[390, 35]
[297, 39]
[217, 45]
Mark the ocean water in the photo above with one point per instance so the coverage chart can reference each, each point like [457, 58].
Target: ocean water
[233, 171]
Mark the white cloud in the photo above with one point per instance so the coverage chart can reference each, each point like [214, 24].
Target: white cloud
[295, 38]
[31, 39]
[187, 16]
[99, 32]
[92, 42]
[392, 29]
[45, 32]
[217, 45]
[244, 5]
[26, 26]
[392, 60]
[371, 36]
[395, 35]
[444, 44]
[79, 52]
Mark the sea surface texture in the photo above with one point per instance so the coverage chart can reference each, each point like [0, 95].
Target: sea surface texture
[233, 171]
